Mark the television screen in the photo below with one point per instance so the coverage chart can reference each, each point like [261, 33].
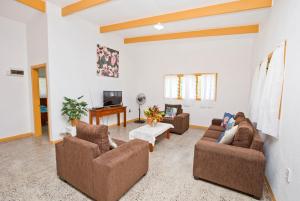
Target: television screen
[112, 98]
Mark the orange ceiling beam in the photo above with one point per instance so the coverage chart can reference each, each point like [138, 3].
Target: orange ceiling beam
[193, 34]
[39, 5]
[80, 5]
[218, 9]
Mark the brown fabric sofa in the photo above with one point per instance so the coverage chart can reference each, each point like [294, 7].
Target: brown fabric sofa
[181, 121]
[102, 176]
[239, 166]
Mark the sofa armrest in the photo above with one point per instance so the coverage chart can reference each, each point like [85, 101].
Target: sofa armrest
[60, 165]
[236, 167]
[217, 122]
[76, 165]
[116, 171]
[182, 115]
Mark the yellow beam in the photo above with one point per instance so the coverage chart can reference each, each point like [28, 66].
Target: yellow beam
[218, 9]
[36, 4]
[192, 34]
[80, 5]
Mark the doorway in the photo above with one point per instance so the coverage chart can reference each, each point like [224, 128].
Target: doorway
[40, 100]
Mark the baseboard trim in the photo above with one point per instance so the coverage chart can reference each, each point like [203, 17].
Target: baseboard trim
[56, 141]
[16, 137]
[128, 121]
[270, 189]
[198, 126]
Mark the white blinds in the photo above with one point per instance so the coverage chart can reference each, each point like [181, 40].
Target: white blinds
[189, 87]
[207, 87]
[171, 86]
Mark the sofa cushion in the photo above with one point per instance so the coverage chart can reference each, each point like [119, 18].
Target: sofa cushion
[178, 107]
[212, 134]
[95, 134]
[244, 135]
[216, 128]
[209, 139]
[227, 116]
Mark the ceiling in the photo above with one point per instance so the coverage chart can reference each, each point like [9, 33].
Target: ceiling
[115, 11]
[16, 11]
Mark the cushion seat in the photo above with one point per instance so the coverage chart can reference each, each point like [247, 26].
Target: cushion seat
[212, 134]
[217, 128]
[209, 139]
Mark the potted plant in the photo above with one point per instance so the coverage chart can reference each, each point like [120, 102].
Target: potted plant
[74, 109]
[153, 115]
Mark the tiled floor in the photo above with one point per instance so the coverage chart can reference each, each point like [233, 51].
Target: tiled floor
[28, 172]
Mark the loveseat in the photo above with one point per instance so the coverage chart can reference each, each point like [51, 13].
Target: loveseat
[239, 165]
[100, 172]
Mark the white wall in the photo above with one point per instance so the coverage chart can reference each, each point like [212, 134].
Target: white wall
[228, 56]
[283, 24]
[72, 66]
[14, 101]
[37, 49]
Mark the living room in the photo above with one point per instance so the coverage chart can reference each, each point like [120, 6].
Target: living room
[66, 40]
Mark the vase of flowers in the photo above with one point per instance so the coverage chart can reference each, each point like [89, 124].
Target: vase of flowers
[153, 115]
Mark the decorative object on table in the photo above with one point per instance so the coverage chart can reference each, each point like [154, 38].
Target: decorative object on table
[108, 61]
[153, 115]
[74, 109]
[140, 99]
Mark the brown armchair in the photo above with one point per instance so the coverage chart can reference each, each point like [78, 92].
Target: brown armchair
[181, 121]
[106, 176]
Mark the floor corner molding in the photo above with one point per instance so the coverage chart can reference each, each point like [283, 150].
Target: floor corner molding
[16, 137]
[269, 189]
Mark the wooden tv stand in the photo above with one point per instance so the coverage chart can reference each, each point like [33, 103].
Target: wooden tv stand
[98, 113]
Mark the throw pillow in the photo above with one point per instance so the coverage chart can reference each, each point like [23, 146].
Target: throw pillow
[220, 137]
[179, 108]
[230, 124]
[112, 143]
[171, 112]
[226, 118]
[95, 134]
[229, 135]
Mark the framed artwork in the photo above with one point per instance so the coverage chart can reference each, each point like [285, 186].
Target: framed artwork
[107, 61]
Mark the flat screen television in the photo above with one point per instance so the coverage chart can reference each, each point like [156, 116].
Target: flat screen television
[112, 98]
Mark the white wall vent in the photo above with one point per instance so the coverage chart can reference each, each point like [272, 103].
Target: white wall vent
[16, 72]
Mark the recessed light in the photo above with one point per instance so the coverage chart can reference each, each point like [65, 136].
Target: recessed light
[159, 26]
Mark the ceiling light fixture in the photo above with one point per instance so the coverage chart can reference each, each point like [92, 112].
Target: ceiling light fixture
[159, 26]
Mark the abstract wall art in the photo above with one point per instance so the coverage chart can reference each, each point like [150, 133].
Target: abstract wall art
[107, 62]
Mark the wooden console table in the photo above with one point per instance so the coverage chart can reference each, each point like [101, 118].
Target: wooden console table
[98, 113]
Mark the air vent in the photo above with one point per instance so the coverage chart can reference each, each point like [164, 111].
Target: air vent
[16, 72]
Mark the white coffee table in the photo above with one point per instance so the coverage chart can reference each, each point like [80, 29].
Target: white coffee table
[150, 134]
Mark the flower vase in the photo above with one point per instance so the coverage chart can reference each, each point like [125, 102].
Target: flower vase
[149, 121]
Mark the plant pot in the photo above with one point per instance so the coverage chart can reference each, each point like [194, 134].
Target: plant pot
[74, 122]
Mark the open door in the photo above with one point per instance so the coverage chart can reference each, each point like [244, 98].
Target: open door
[36, 99]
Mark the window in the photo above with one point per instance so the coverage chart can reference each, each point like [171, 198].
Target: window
[172, 86]
[206, 86]
[201, 86]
